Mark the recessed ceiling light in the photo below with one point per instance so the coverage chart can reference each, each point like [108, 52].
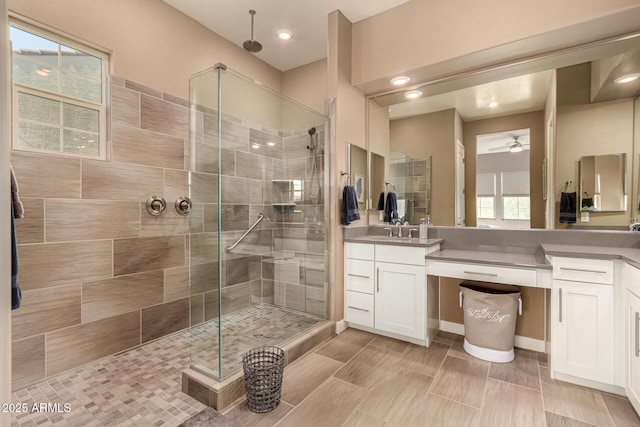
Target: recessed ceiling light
[627, 78]
[493, 104]
[413, 94]
[284, 34]
[271, 144]
[400, 80]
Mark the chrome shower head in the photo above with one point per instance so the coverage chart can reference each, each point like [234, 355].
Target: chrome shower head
[252, 45]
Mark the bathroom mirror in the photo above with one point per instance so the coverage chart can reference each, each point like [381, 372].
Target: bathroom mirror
[603, 183]
[569, 101]
[376, 181]
[358, 173]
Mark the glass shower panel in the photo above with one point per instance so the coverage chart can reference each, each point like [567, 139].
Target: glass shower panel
[268, 218]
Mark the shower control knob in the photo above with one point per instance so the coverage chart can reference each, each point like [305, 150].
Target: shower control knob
[183, 205]
[156, 205]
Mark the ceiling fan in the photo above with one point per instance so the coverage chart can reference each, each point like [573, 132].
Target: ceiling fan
[514, 146]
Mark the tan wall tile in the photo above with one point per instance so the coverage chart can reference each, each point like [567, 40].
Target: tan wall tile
[27, 361]
[125, 106]
[164, 319]
[211, 305]
[176, 184]
[147, 253]
[53, 264]
[203, 248]
[80, 344]
[30, 229]
[176, 283]
[204, 187]
[197, 309]
[45, 310]
[119, 295]
[236, 298]
[143, 147]
[118, 181]
[164, 117]
[44, 175]
[67, 219]
[170, 223]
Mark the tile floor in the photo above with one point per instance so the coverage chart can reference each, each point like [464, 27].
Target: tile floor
[354, 379]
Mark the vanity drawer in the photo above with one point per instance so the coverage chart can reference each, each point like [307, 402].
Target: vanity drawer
[485, 273]
[359, 275]
[583, 270]
[359, 308]
[400, 254]
[358, 251]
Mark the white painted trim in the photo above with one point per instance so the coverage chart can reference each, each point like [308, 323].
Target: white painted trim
[589, 383]
[341, 326]
[521, 342]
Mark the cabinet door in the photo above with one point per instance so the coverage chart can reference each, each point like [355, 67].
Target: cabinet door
[582, 336]
[633, 349]
[400, 304]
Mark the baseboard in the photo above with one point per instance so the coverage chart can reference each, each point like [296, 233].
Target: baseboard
[341, 326]
[521, 342]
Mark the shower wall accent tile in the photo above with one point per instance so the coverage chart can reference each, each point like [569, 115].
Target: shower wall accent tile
[168, 224]
[91, 219]
[143, 147]
[125, 106]
[176, 283]
[175, 100]
[43, 175]
[197, 309]
[119, 181]
[234, 217]
[147, 253]
[116, 81]
[211, 307]
[30, 229]
[265, 144]
[165, 319]
[164, 117]
[234, 190]
[77, 345]
[142, 89]
[53, 264]
[253, 166]
[27, 361]
[45, 310]
[119, 295]
[235, 298]
[176, 184]
[204, 187]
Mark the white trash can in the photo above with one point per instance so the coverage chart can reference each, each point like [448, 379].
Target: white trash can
[490, 313]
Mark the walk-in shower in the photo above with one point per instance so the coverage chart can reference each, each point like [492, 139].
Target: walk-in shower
[258, 261]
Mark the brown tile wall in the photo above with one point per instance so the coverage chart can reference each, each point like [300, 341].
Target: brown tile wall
[99, 274]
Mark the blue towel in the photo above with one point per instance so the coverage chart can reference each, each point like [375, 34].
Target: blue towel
[391, 207]
[16, 295]
[567, 208]
[380, 202]
[349, 205]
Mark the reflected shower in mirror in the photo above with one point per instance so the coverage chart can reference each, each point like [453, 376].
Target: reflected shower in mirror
[358, 173]
[410, 178]
[603, 183]
[376, 182]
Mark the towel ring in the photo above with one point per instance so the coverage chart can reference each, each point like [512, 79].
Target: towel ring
[343, 173]
[569, 184]
[391, 184]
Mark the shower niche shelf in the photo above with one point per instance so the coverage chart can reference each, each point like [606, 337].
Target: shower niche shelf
[284, 193]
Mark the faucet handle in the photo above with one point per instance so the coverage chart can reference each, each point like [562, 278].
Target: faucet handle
[411, 231]
[390, 230]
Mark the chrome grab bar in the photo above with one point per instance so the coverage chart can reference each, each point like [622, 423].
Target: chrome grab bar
[230, 248]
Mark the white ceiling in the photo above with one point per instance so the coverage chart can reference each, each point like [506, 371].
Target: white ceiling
[515, 95]
[306, 19]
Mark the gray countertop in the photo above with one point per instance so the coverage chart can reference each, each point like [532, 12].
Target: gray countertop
[506, 259]
[397, 241]
[630, 255]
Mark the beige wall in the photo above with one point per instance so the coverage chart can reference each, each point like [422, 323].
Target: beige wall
[533, 121]
[307, 84]
[574, 84]
[432, 135]
[413, 34]
[150, 42]
[584, 130]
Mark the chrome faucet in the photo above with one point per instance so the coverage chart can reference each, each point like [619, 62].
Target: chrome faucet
[399, 227]
[390, 230]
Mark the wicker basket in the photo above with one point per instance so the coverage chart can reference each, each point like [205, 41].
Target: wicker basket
[263, 369]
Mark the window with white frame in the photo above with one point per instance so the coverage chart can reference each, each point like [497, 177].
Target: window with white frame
[59, 94]
[515, 196]
[486, 196]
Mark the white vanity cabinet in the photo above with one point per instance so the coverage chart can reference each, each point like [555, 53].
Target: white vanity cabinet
[632, 321]
[582, 319]
[386, 290]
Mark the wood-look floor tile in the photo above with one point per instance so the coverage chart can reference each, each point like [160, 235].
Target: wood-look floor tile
[621, 411]
[426, 360]
[242, 415]
[523, 370]
[361, 419]
[446, 338]
[555, 420]
[370, 366]
[344, 346]
[305, 375]
[573, 401]
[437, 411]
[543, 359]
[390, 344]
[511, 405]
[462, 381]
[457, 350]
[393, 396]
[330, 405]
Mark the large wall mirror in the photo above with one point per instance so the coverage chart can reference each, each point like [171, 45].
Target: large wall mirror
[520, 133]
